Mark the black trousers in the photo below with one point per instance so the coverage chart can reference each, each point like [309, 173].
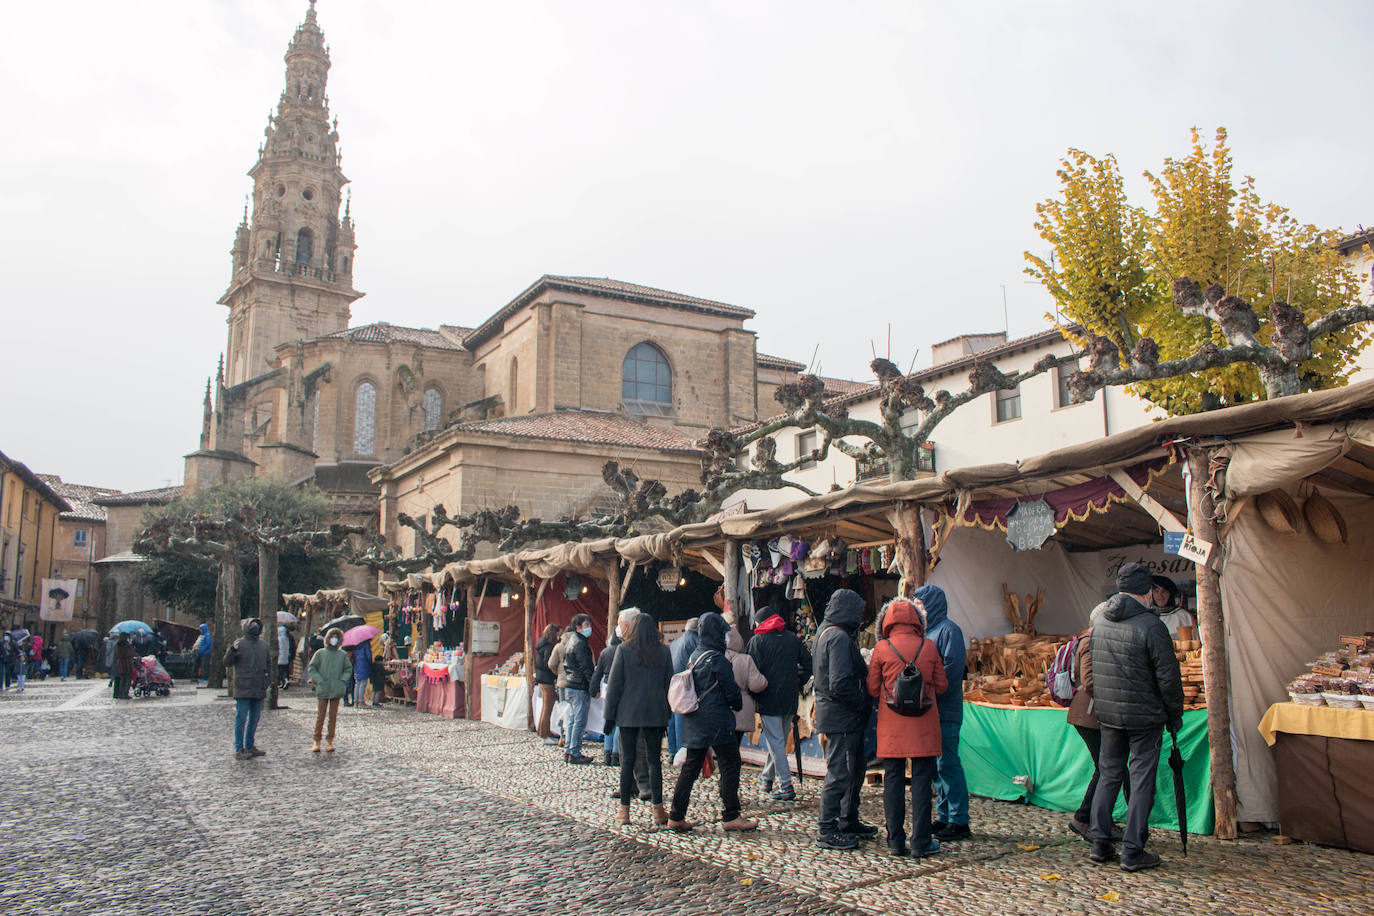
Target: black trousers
[727, 760]
[1093, 739]
[641, 762]
[121, 686]
[844, 777]
[1143, 747]
[894, 800]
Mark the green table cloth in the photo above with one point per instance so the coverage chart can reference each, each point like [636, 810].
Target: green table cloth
[997, 744]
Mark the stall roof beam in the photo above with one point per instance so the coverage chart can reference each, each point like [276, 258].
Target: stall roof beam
[1167, 520]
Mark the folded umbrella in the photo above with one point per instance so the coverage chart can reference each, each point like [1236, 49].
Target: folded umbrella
[796, 744]
[345, 623]
[1180, 794]
[359, 635]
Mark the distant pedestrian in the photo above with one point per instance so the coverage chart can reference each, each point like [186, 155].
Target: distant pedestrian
[329, 668]
[252, 673]
[637, 703]
[65, 651]
[785, 663]
[560, 681]
[378, 679]
[749, 679]
[578, 668]
[546, 681]
[123, 666]
[202, 649]
[283, 656]
[1137, 693]
[711, 729]
[843, 709]
[681, 649]
[362, 671]
[907, 739]
[951, 785]
[107, 657]
[9, 660]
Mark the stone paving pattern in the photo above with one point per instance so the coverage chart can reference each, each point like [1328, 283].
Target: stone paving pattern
[139, 807]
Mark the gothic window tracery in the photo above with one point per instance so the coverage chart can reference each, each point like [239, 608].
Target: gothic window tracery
[365, 419]
[434, 405]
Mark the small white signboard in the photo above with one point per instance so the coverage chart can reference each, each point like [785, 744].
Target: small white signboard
[486, 637]
[1195, 549]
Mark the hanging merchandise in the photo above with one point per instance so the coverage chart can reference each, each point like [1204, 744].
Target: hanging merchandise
[796, 589]
[885, 558]
[851, 562]
[410, 608]
[669, 578]
[440, 614]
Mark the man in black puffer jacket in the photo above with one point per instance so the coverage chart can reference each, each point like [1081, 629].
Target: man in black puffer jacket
[577, 669]
[842, 711]
[1137, 693]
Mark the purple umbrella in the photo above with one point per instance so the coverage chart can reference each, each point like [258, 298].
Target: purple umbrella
[360, 635]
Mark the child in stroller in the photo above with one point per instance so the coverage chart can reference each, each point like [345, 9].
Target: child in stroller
[151, 678]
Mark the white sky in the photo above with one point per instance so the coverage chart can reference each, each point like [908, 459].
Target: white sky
[834, 166]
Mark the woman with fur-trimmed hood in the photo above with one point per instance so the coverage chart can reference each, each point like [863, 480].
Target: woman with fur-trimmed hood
[329, 670]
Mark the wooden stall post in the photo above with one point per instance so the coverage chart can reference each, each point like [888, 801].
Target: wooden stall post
[530, 600]
[427, 619]
[469, 660]
[1212, 630]
[611, 570]
[732, 585]
[911, 546]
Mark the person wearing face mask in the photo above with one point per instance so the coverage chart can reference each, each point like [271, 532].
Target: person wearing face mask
[578, 667]
[252, 670]
[329, 668]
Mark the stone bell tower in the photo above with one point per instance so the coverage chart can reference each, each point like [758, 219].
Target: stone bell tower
[293, 256]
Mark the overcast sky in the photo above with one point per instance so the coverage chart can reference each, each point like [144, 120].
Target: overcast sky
[837, 167]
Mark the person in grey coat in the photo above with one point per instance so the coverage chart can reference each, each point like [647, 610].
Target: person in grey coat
[1137, 693]
[252, 673]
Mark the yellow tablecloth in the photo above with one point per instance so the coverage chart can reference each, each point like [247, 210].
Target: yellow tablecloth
[1326, 721]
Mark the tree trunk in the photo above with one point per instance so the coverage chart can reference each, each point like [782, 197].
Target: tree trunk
[612, 572]
[732, 586]
[911, 547]
[1216, 671]
[228, 597]
[268, 558]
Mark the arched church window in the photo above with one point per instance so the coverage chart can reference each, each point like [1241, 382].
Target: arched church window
[645, 376]
[434, 405]
[305, 245]
[365, 419]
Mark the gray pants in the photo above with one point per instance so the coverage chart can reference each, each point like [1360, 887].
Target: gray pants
[1143, 746]
[844, 778]
[774, 734]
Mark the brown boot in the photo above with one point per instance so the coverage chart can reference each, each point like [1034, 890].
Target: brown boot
[329, 745]
[316, 746]
[622, 815]
[680, 826]
[741, 823]
[660, 815]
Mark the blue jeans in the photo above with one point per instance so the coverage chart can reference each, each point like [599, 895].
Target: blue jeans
[62, 665]
[612, 743]
[674, 734]
[951, 788]
[578, 704]
[774, 734]
[246, 722]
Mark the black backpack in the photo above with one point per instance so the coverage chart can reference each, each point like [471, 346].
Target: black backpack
[907, 695]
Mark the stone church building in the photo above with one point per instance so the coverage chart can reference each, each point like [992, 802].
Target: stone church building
[520, 406]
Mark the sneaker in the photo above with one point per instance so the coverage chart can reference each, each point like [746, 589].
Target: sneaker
[1101, 853]
[551, 741]
[1080, 828]
[765, 787]
[243, 755]
[937, 826]
[862, 831]
[932, 848]
[953, 833]
[576, 758]
[1140, 862]
[257, 752]
[787, 793]
[900, 852]
[836, 841]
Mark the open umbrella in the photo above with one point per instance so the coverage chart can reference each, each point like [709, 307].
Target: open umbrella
[85, 638]
[345, 623]
[130, 626]
[358, 635]
[1180, 794]
[286, 617]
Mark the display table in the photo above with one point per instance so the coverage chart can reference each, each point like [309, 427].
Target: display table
[505, 700]
[1000, 743]
[596, 716]
[440, 698]
[1323, 757]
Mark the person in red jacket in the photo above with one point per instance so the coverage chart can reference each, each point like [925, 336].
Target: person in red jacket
[903, 738]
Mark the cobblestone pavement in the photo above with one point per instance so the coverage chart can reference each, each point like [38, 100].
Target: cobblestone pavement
[139, 807]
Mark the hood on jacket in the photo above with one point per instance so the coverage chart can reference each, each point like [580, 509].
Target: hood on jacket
[774, 624]
[902, 613]
[1123, 607]
[205, 629]
[937, 607]
[330, 632]
[845, 610]
[733, 641]
[712, 629]
[249, 622]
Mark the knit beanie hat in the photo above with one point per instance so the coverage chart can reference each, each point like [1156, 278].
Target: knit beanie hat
[1134, 579]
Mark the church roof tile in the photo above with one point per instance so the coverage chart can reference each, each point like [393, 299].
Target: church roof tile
[155, 497]
[382, 332]
[589, 427]
[79, 496]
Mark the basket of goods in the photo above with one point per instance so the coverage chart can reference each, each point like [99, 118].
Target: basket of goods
[1306, 691]
[1342, 693]
[1367, 694]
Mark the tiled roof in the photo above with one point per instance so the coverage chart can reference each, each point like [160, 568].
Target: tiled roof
[382, 332]
[79, 496]
[156, 497]
[777, 362]
[588, 427]
[1356, 240]
[843, 385]
[604, 286]
[21, 470]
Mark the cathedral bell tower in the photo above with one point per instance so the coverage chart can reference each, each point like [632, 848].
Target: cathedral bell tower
[293, 257]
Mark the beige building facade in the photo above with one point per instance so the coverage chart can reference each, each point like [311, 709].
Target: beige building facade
[79, 543]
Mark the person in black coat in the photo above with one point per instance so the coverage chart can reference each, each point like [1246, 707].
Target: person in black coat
[843, 708]
[577, 674]
[711, 727]
[1137, 693]
[782, 658]
[637, 704]
[610, 744]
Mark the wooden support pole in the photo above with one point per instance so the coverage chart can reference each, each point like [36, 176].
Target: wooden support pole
[469, 660]
[1215, 667]
[732, 585]
[530, 601]
[611, 570]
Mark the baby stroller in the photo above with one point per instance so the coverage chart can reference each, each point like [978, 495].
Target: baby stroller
[151, 678]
